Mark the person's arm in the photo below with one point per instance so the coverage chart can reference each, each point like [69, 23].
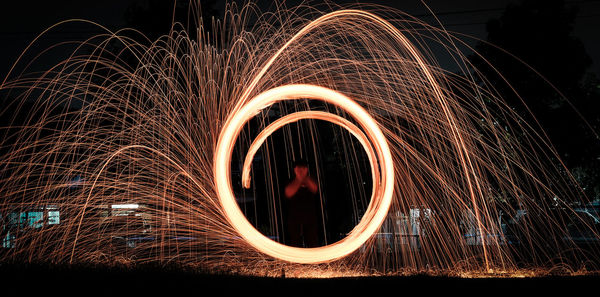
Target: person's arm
[292, 188]
[311, 184]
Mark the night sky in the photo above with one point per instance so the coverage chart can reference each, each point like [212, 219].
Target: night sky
[21, 21]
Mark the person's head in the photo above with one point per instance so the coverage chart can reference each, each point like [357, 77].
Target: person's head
[300, 168]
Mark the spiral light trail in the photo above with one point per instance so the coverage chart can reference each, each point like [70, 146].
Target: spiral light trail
[382, 187]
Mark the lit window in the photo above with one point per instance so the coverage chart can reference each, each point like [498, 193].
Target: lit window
[53, 217]
[8, 241]
[35, 219]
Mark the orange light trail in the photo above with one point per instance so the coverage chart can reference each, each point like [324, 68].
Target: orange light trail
[317, 115]
[382, 189]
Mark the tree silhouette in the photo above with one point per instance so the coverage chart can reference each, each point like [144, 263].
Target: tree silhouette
[539, 33]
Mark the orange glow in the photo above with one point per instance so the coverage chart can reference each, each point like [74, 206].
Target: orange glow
[382, 186]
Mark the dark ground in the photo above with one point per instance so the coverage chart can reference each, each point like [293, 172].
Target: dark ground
[41, 280]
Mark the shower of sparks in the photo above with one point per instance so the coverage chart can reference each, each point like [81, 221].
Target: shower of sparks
[125, 155]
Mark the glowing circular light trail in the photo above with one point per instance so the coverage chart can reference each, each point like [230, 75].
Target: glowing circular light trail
[383, 183]
[318, 115]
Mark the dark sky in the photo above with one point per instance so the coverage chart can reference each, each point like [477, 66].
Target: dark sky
[22, 20]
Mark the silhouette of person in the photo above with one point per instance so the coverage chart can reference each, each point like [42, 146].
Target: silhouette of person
[302, 211]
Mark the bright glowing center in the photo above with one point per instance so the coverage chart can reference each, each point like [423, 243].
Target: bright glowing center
[383, 183]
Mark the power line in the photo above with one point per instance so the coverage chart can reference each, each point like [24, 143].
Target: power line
[495, 9]
[485, 23]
